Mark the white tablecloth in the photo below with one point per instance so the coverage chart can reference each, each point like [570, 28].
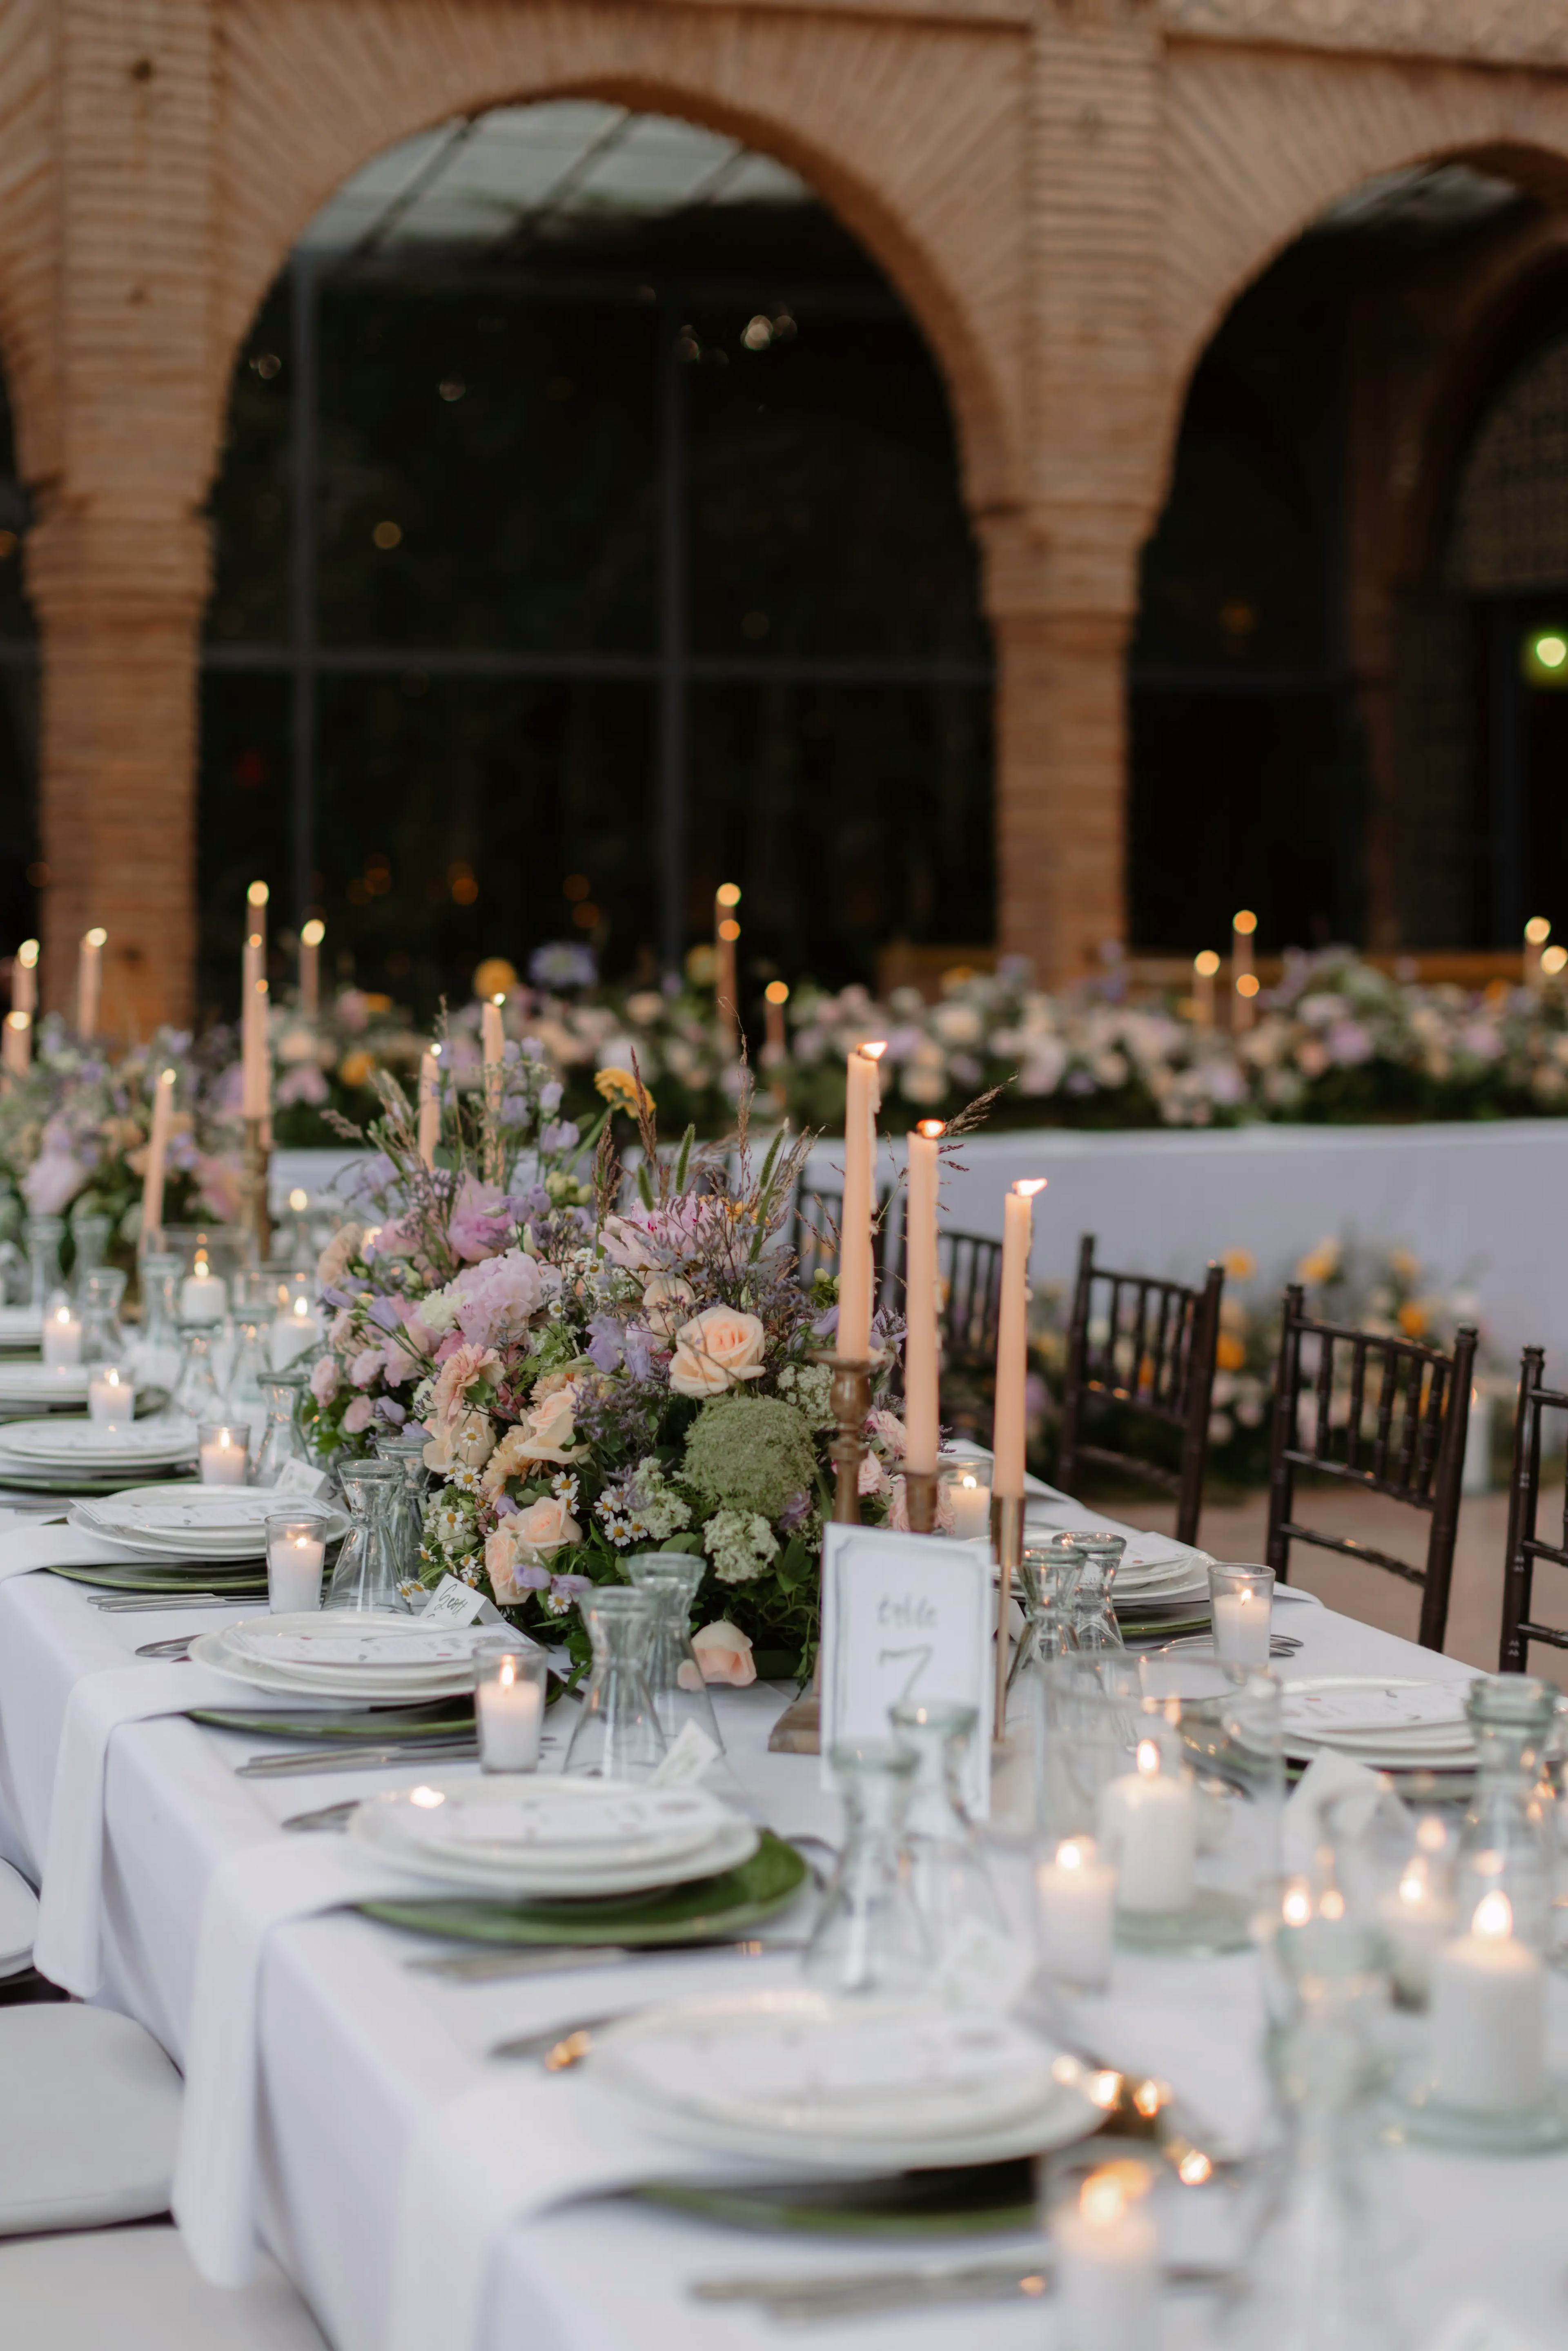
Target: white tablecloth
[357, 2054]
[1479, 1203]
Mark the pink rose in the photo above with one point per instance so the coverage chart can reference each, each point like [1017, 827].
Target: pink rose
[358, 1416]
[398, 1364]
[724, 1653]
[324, 1379]
[666, 1299]
[718, 1347]
[333, 1263]
[874, 1478]
[466, 1442]
[365, 1367]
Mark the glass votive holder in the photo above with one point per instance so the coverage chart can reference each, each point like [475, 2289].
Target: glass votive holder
[295, 1555]
[110, 1396]
[1101, 2215]
[964, 1496]
[1075, 1914]
[1241, 1601]
[62, 1334]
[223, 1451]
[510, 1707]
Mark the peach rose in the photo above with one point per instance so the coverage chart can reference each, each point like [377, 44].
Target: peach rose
[715, 1349]
[665, 1297]
[466, 1443]
[335, 1258]
[724, 1653]
[543, 1433]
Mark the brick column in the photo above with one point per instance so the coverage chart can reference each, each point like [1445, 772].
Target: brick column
[119, 605]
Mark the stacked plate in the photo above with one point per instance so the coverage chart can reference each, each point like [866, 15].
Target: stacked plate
[211, 1524]
[799, 2076]
[27, 1387]
[376, 1657]
[1159, 1582]
[63, 1456]
[1389, 1722]
[548, 1839]
[21, 1330]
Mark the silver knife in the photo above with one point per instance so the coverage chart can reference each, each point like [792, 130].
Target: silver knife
[350, 1758]
[817, 2300]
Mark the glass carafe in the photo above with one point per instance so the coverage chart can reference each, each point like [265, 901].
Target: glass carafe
[870, 1936]
[43, 1236]
[947, 1872]
[1049, 1574]
[156, 1356]
[197, 1394]
[281, 1441]
[89, 1240]
[1507, 1845]
[674, 1676]
[103, 1339]
[1094, 1625]
[405, 1518]
[248, 1368]
[617, 1734]
[366, 1575]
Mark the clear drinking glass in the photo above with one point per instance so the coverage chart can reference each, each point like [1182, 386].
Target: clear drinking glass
[43, 1236]
[1094, 1625]
[247, 1369]
[89, 1240]
[197, 1392]
[617, 1734]
[870, 1936]
[366, 1575]
[406, 1517]
[103, 1339]
[281, 1441]
[674, 1676]
[156, 1356]
[947, 1872]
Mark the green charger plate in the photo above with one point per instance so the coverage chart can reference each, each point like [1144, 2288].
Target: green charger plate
[124, 1575]
[443, 1718]
[19, 1482]
[708, 1909]
[985, 2199]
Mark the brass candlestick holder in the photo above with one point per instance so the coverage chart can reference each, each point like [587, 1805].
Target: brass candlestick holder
[1007, 1538]
[799, 1729]
[254, 1174]
[920, 1489]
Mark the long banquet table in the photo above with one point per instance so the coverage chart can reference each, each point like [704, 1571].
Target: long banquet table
[358, 2058]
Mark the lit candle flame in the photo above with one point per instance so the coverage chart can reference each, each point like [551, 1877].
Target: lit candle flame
[1494, 1917]
[1148, 1757]
[1028, 1185]
[875, 1050]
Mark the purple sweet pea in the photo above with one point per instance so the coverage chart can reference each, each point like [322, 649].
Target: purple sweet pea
[638, 1347]
[605, 1345]
[383, 1310]
[795, 1513]
[566, 1587]
[389, 1409]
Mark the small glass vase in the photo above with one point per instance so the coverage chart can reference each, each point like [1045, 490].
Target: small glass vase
[869, 1937]
[197, 1393]
[674, 1676]
[948, 1877]
[156, 1356]
[405, 1520]
[281, 1441]
[42, 1236]
[247, 1370]
[617, 1734]
[1508, 1840]
[103, 1339]
[366, 1575]
[89, 1241]
[1049, 1574]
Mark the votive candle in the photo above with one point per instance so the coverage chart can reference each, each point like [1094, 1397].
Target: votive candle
[1107, 2267]
[1242, 1600]
[111, 1397]
[296, 1552]
[922, 1339]
[1012, 1341]
[223, 1452]
[1417, 1920]
[967, 1490]
[1488, 2016]
[204, 1295]
[1075, 1896]
[509, 1709]
[862, 1099]
[1148, 1830]
[62, 1337]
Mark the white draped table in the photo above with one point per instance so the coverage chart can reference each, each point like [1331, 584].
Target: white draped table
[358, 2057]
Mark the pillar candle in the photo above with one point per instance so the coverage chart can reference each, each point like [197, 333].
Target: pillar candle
[1148, 1827]
[1488, 2016]
[17, 1043]
[861, 1100]
[294, 1563]
[310, 939]
[726, 934]
[922, 1344]
[157, 1153]
[429, 1104]
[1076, 1899]
[1242, 929]
[204, 1295]
[1012, 1341]
[89, 980]
[509, 1710]
[1107, 2270]
[1204, 968]
[24, 977]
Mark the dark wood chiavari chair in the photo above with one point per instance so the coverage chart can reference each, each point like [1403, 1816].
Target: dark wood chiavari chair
[971, 1269]
[1148, 1358]
[816, 1232]
[1419, 1398]
[1524, 1545]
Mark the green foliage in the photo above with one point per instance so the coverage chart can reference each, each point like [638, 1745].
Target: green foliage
[751, 1453]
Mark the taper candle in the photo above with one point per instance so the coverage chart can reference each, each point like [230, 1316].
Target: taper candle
[89, 980]
[157, 1154]
[492, 1035]
[1243, 979]
[1537, 931]
[429, 1104]
[256, 1067]
[861, 1100]
[310, 938]
[922, 1341]
[24, 977]
[775, 995]
[1205, 968]
[725, 934]
[17, 1043]
[1012, 1341]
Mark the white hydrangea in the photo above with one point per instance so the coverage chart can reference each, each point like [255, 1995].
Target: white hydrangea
[809, 1387]
[741, 1543]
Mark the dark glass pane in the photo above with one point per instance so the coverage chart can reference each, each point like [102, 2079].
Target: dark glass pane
[850, 817]
[243, 822]
[452, 812]
[826, 520]
[249, 506]
[487, 468]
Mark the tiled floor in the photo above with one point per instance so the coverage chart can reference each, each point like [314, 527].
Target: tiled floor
[1236, 1531]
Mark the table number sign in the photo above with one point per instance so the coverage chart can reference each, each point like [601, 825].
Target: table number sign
[905, 1616]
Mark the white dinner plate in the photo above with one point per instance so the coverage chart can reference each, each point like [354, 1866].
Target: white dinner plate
[382, 1823]
[216, 1648]
[32, 1385]
[575, 1824]
[1388, 1721]
[794, 2075]
[206, 1522]
[69, 1443]
[21, 1326]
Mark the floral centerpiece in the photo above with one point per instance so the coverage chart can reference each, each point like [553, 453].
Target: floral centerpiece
[327, 1060]
[602, 1368]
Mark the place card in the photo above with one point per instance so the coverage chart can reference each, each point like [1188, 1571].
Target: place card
[905, 1616]
[298, 1477]
[453, 1602]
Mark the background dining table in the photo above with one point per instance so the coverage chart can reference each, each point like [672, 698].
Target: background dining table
[359, 2057]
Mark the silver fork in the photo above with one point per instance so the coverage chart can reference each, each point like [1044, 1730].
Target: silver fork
[815, 2300]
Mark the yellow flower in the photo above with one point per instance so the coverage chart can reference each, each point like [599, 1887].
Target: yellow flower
[622, 1092]
[1405, 1264]
[1239, 1264]
[1320, 1264]
[355, 1068]
[1230, 1354]
[1412, 1318]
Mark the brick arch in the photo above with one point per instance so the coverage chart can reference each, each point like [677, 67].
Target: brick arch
[921, 157]
[1259, 144]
